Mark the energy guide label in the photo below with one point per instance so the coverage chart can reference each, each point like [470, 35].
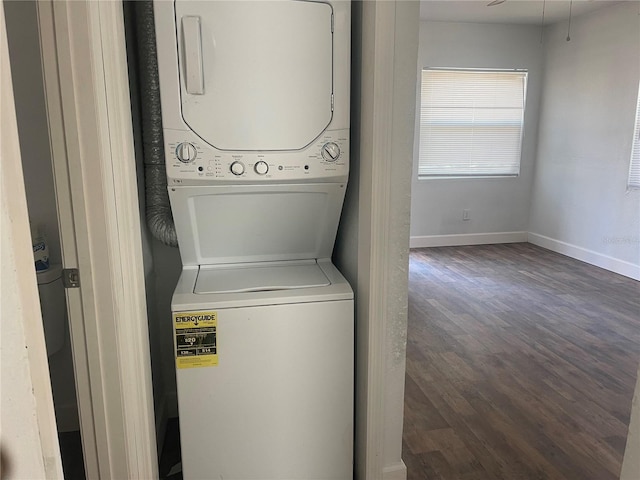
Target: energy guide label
[196, 339]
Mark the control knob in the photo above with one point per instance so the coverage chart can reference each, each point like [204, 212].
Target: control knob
[330, 151]
[237, 168]
[186, 152]
[261, 167]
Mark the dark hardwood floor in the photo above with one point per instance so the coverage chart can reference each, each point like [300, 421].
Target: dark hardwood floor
[521, 364]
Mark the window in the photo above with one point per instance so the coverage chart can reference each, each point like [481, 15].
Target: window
[634, 167]
[471, 122]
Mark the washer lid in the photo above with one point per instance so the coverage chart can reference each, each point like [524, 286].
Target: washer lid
[255, 75]
[257, 278]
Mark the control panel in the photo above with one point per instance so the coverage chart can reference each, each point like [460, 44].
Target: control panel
[189, 160]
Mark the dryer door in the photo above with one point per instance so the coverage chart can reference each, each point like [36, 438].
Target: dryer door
[255, 75]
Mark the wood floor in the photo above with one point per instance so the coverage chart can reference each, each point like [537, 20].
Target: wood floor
[521, 364]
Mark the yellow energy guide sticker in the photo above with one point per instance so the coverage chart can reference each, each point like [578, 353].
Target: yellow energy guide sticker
[196, 339]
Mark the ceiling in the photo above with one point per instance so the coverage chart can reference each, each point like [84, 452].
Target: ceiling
[511, 11]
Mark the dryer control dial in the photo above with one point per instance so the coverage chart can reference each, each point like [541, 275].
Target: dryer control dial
[186, 152]
[237, 168]
[330, 151]
[261, 167]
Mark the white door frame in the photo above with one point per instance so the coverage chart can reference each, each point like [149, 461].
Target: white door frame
[386, 146]
[378, 32]
[87, 92]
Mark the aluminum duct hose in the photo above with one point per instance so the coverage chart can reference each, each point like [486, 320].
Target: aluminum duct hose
[158, 208]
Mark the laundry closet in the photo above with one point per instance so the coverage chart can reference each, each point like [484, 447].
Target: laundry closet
[254, 100]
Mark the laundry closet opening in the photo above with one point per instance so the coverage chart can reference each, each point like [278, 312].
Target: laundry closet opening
[241, 114]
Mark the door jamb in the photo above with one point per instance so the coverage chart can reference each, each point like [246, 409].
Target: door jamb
[376, 137]
[86, 84]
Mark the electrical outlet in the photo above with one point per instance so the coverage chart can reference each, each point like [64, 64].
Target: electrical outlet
[466, 214]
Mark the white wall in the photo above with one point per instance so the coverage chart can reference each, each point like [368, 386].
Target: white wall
[24, 52]
[580, 200]
[496, 204]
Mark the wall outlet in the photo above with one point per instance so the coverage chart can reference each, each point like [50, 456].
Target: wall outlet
[466, 214]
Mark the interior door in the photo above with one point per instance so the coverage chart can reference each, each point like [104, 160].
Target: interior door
[239, 88]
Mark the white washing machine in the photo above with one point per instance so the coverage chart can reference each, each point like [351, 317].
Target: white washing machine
[255, 111]
[273, 395]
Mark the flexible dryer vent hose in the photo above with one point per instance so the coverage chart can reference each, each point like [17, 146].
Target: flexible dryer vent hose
[159, 217]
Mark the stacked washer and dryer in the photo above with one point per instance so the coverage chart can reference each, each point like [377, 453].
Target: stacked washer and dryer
[255, 111]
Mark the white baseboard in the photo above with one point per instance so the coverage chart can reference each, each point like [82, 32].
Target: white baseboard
[615, 265]
[397, 471]
[467, 239]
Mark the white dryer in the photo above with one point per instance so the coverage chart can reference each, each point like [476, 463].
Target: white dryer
[255, 111]
[254, 91]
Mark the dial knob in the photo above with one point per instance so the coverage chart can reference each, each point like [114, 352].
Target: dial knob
[330, 151]
[186, 152]
[237, 168]
[261, 167]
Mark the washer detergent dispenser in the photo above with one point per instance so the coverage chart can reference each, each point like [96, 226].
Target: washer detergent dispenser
[255, 111]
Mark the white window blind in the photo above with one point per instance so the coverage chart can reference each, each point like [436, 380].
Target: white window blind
[634, 167]
[471, 122]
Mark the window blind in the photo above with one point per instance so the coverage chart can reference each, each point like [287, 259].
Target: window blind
[634, 167]
[471, 122]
